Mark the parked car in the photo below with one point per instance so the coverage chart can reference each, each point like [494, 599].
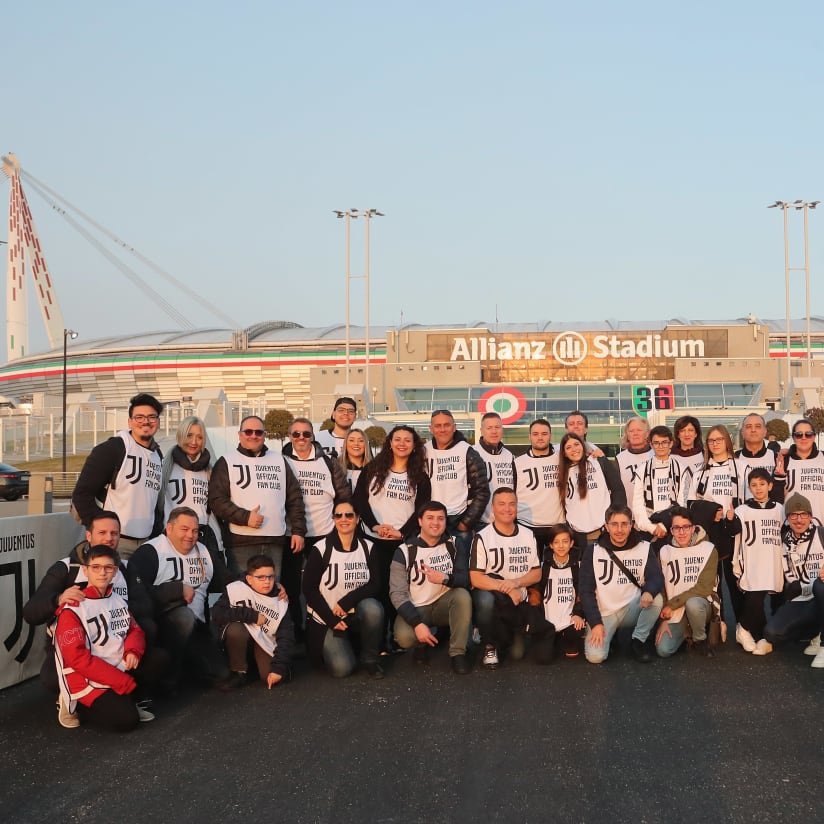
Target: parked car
[14, 482]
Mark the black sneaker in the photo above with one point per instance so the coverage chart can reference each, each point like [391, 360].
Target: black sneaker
[641, 651]
[375, 671]
[461, 665]
[234, 681]
[420, 655]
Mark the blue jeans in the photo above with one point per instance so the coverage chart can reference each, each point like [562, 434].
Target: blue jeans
[798, 619]
[642, 622]
[463, 541]
[483, 605]
[696, 614]
[338, 655]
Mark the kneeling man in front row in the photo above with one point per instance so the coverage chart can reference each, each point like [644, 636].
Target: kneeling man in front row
[621, 585]
[427, 586]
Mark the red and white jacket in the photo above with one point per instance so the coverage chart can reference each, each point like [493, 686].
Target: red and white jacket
[91, 639]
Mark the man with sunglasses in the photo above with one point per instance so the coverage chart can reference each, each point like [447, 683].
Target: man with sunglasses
[254, 492]
[343, 416]
[122, 474]
[800, 469]
[323, 484]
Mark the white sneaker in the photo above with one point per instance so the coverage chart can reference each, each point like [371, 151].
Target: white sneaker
[143, 710]
[744, 637]
[818, 661]
[814, 647]
[67, 719]
[490, 659]
[763, 647]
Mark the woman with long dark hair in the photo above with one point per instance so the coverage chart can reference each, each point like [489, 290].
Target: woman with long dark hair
[589, 486]
[387, 497]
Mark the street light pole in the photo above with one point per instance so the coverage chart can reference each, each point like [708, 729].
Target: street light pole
[347, 215]
[798, 205]
[67, 333]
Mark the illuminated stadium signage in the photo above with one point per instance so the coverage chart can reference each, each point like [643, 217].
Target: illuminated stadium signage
[570, 348]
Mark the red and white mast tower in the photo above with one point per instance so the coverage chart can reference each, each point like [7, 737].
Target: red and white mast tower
[24, 252]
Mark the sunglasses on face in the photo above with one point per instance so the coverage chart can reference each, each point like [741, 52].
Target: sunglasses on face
[252, 433]
[300, 435]
[798, 435]
[348, 515]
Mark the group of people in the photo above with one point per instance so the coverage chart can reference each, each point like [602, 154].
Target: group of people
[214, 570]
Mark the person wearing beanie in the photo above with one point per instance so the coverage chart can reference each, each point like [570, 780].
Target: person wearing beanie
[802, 614]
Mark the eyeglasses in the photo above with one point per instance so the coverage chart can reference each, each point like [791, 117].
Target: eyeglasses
[300, 434]
[798, 435]
[715, 441]
[145, 418]
[685, 528]
[660, 444]
[252, 433]
[107, 568]
[799, 515]
[347, 410]
[264, 577]
[348, 515]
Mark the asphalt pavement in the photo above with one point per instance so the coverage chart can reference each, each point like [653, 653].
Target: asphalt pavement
[736, 738]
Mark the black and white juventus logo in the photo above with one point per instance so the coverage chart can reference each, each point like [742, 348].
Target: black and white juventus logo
[418, 576]
[607, 572]
[674, 569]
[634, 472]
[15, 570]
[177, 568]
[431, 467]
[330, 580]
[748, 534]
[101, 629]
[178, 489]
[789, 486]
[548, 592]
[135, 469]
[497, 554]
[532, 478]
[570, 490]
[244, 475]
[489, 473]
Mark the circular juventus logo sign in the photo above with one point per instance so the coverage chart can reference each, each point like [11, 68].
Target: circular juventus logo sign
[569, 348]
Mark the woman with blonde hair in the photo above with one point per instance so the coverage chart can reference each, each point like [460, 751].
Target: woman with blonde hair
[356, 454]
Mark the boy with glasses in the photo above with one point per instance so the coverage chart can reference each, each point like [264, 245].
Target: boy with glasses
[254, 615]
[100, 652]
[123, 474]
[255, 493]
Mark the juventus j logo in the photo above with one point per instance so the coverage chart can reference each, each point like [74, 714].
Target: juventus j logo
[790, 485]
[431, 467]
[101, 628]
[489, 473]
[331, 578]
[244, 475]
[418, 576]
[674, 572]
[748, 536]
[548, 593]
[178, 489]
[177, 568]
[532, 478]
[634, 472]
[135, 468]
[607, 571]
[497, 558]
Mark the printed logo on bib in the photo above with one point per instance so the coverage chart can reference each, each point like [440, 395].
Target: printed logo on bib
[118, 624]
[443, 469]
[134, 472]
[608, 571]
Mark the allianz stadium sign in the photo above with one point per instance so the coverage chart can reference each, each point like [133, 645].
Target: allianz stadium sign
[571, 348]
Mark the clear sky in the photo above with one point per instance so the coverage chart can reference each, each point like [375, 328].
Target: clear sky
[558, 161]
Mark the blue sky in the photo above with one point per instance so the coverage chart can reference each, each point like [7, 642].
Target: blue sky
[558, 163]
